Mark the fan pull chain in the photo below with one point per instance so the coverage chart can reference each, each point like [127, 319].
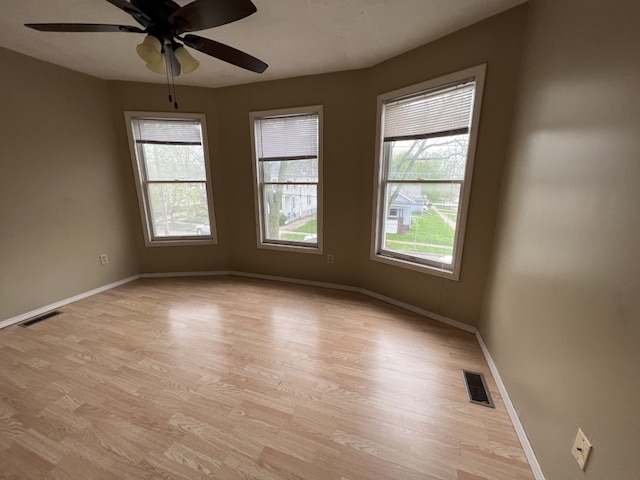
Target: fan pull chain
[171, 84]
[175, 95]
[168, 85]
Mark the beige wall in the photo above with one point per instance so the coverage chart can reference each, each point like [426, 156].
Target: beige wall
[496, 42]
[342, 100]
[62, 201]
[153, 98]
[561, 315]
[349, 101]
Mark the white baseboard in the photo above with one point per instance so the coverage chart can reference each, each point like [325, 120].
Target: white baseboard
[522, 435]
[364, 291]
[312, 283]
[66, 301]
[184, 274]
[420, 311]
[336, 286]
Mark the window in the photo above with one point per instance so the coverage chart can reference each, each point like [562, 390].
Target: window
[287, 148]
[170, 161]
[425, 148]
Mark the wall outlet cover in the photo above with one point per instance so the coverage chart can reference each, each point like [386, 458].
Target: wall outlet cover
[581, 449]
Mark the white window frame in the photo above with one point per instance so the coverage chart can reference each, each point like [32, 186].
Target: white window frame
[141, 183]
[379, 213]
[284, 245]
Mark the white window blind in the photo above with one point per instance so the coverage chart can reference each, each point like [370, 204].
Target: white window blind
[444, 111]
[287, 138]
[154, 130]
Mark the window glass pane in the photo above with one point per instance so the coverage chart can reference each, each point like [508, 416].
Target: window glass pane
[290, 171]
[174, 162]
[290, 213]
[441, 158]
[420, 220]
[179, 209]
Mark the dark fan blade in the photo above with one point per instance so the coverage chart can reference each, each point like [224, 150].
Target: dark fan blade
[203, 14]
[82, 27]
[225, 53]
[140, 17]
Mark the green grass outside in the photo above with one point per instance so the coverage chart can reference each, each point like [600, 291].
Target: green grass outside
[403, 247]
[296, 237]
[310, 227]
[430, 229]
[449, 212]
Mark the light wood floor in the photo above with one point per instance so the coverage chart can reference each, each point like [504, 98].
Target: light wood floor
[225, 378]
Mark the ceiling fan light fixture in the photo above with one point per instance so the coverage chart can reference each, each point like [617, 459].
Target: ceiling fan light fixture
[187, 63]
[158, 67]
[150, 50]
[165, 23]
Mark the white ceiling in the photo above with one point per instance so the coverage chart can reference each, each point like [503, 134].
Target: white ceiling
[295, 37]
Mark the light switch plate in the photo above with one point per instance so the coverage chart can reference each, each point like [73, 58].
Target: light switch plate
[581, 449]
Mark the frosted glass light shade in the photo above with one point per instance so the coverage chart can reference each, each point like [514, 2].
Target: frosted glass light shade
[150, 50]
[158, 67]
[187, 63]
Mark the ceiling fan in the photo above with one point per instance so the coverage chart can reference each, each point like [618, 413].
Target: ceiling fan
[166, 24]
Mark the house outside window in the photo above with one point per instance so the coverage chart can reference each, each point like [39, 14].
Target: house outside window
[171, 165]
[287, 168]
[424, 160]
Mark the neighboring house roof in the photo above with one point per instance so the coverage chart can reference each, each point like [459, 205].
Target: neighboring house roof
[409, 196]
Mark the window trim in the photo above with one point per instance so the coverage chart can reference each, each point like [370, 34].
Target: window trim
[377, 221]
[143, 201]
[284, 245]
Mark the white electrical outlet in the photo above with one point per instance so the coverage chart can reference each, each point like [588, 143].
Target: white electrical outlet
[104, 259]
[581, 449]
[330, 258]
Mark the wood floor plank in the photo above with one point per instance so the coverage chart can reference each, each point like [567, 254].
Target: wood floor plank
[234, 378]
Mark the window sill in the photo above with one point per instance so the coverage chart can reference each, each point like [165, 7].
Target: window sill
[182, 242]
[418, 267]
[312, 249]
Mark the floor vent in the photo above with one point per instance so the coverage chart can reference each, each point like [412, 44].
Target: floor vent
[477, 390]
[40, 318]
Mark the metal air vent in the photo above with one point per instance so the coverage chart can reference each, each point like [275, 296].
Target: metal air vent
[477, 389]
[39, 318]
